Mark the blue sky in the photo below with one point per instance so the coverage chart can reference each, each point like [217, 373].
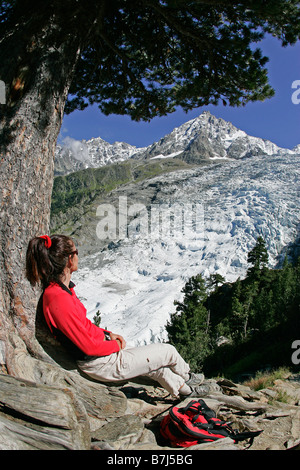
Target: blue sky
[276, 119]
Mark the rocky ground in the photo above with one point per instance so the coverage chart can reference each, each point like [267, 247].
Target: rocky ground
[238, 404]
[79, 414]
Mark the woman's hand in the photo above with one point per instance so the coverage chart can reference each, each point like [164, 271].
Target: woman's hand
[119, 339]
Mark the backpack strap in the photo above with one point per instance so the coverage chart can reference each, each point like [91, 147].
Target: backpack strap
[184, 409]
[206, 410]
[242, 436]
[227, 429]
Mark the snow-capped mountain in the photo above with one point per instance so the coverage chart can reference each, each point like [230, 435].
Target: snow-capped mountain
[73, 155]
[203, 138]
[208, 137]
[199, 220]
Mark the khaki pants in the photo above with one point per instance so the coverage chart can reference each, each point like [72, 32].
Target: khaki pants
[159, 361]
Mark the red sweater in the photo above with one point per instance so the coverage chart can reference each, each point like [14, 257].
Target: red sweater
[64, 311]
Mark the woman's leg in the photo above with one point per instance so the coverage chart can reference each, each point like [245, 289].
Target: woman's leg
[159, 361]
[162, 363]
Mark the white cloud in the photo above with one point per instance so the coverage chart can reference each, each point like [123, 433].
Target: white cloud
[78, 148]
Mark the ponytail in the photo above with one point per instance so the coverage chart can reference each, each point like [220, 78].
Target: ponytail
[46, 258]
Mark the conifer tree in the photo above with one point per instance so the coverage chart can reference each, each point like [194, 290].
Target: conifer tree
[215, 280]
[258, 257]
[188, 328]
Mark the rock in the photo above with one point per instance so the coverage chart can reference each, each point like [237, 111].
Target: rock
[295, 431]
[288, 390]
[121, 432]
[241, 390]
[221, 444]
[36, 416]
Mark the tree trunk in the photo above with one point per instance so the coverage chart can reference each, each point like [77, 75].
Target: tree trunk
[37, 78]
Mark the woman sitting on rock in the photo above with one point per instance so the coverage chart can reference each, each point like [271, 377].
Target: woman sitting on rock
[100, 354]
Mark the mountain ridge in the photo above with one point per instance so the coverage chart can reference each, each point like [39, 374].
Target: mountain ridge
[210, 138]
[202, 138]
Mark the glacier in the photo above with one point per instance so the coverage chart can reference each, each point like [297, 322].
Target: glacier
[134, 280]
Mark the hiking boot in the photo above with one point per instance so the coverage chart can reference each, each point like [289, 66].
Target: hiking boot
[203, 390]
[195, 379]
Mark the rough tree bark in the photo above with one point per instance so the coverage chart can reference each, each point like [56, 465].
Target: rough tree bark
[37, 80]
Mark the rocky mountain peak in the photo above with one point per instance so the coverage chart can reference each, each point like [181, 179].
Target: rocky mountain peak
[207, 137]
[74, 155]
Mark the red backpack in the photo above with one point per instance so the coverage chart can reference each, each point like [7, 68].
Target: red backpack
[196, 423]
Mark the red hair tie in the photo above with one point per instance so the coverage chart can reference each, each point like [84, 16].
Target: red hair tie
[48, 241]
